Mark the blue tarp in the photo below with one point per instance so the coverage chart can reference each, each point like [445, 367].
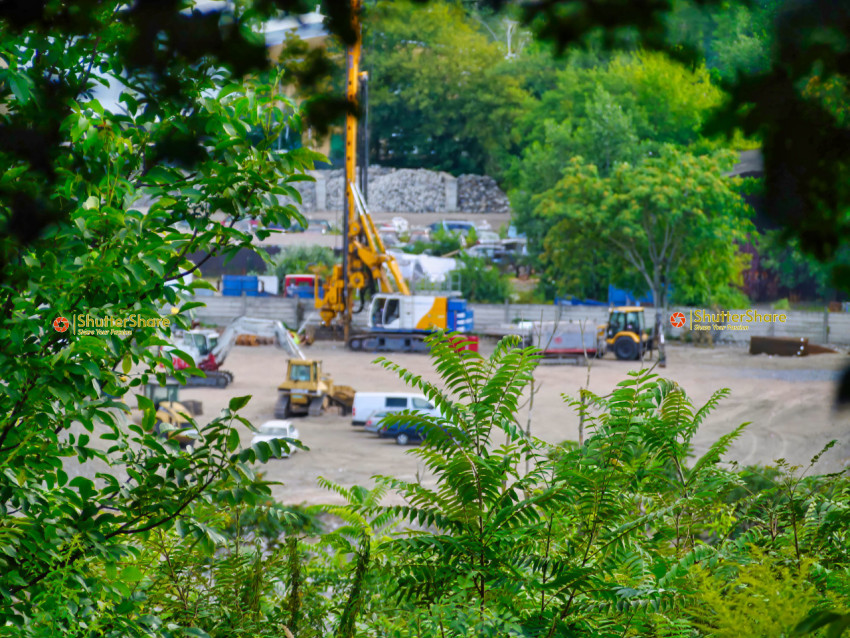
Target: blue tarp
[620, 297]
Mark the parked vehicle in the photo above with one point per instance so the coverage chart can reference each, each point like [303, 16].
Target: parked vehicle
[301, 286]
[453, 226]
[276, 429]
[488, 237]
[403, 432]
[366, 403]
[374, 422]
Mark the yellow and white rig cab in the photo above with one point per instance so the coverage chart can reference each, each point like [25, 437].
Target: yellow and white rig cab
[625, 334]
[398, 320]
[401, 322]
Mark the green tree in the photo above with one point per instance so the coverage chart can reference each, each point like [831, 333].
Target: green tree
[482, 282]
[608, 110]
[82, 485]
[438, 96]
[673, 221]
[302, 259]
[731, 39]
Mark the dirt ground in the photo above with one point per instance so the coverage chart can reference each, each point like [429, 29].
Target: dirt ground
[788, 402]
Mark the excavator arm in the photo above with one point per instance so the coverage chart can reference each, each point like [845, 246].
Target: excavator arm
[375, 255]
[259, 327]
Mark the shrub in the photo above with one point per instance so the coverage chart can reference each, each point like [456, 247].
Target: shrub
[292, 260]
[482, 282]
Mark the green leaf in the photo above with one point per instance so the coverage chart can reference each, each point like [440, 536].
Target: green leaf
[237, 403]
[263, 452]
[131, 574]
[232, 440]
[144, 402]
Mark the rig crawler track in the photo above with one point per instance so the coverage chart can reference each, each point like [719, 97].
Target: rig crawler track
[388, 342]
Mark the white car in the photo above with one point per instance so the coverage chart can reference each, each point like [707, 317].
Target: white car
[277, 429]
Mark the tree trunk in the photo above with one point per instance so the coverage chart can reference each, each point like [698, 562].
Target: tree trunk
[657, 334]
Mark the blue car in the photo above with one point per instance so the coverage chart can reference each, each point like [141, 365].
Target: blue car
[404, 432]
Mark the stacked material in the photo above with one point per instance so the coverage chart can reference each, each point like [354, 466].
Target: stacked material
[481, 194]
[408, 190]
[308, 195]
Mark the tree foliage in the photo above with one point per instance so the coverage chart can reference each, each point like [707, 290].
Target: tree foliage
[607, 111]
[94, 203]
[671, 221]
[482, 282]
[302, 259]
[439, 98]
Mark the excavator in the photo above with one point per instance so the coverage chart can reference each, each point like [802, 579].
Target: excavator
[304, 391]
[398, 320]
[209, 349]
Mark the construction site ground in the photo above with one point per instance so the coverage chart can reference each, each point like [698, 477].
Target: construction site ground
[788, 401]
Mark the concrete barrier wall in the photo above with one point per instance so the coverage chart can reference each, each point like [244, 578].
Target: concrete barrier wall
[818, 327]
[221, 311]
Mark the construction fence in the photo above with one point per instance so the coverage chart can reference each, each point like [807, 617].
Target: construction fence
[818, 327]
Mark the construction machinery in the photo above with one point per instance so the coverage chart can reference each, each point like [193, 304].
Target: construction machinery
[625, 333]
[209, 349]
[307, 391]
[172, 411]
[398, 319]
[399, 323]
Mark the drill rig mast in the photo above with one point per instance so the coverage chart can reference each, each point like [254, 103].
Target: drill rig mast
[363, 254]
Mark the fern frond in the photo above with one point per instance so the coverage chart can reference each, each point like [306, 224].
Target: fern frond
[715, 452]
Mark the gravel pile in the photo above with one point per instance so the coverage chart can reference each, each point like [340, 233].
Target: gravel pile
[481, 194]
[409, 190]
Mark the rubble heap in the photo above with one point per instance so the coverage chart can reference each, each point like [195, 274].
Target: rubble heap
[407, 190]
[308, 195]
[481, 194]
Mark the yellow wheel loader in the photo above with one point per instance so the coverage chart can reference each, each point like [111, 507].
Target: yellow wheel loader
[625, 334]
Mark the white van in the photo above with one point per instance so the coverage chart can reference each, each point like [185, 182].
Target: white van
[367, 402]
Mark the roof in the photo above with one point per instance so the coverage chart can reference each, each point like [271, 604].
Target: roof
[750, 164]
[306, 27]
[627, 309]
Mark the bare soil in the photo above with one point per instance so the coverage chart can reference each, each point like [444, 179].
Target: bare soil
[787, 401]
